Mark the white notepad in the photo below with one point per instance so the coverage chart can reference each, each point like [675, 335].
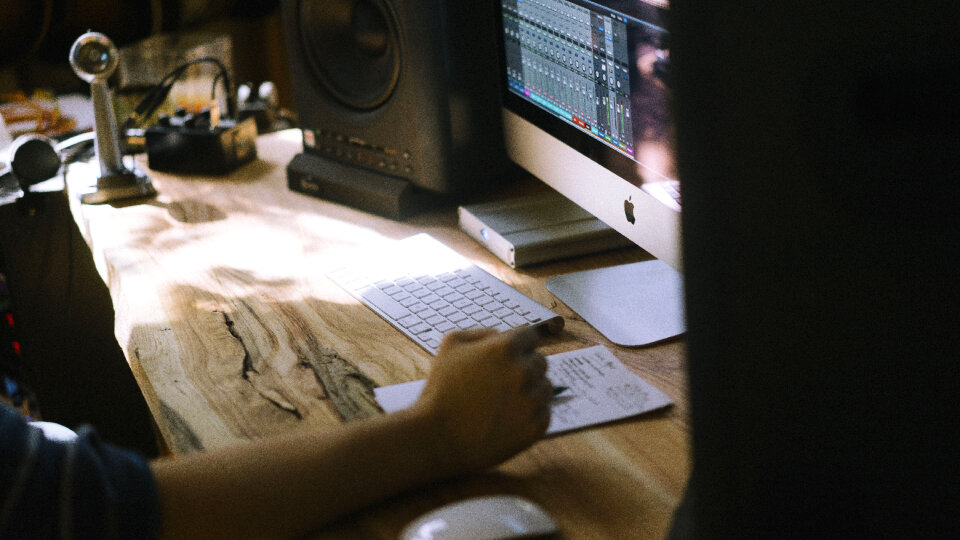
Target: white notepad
[601, 389]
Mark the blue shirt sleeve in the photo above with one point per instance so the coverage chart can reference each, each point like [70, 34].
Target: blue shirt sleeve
[85, 488]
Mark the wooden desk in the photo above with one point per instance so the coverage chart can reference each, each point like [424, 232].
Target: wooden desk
[233, 332]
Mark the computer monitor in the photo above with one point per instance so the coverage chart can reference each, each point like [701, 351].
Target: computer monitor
[586, 109]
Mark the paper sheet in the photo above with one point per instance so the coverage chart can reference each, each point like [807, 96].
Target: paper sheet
[601, 389]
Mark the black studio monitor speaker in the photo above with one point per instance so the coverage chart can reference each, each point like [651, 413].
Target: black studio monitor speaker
[397, 99]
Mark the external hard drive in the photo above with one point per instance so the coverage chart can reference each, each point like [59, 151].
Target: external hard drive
[537, 228]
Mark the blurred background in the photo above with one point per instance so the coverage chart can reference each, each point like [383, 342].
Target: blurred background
[39, 92]
[59, 360]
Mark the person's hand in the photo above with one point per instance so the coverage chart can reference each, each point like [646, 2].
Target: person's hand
[487, 396]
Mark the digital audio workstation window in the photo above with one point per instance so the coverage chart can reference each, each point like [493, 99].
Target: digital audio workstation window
[572, 60]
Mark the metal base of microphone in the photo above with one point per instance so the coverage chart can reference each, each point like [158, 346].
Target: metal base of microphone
[120, 186]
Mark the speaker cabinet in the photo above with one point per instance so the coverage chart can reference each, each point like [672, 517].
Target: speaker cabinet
[398, 101]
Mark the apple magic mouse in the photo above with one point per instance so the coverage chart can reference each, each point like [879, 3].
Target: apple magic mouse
[499, 516]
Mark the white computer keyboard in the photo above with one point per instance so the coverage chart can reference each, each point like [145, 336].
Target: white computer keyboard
[425, 290]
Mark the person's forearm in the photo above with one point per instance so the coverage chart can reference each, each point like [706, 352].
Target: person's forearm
[288, 486]
[487, 398]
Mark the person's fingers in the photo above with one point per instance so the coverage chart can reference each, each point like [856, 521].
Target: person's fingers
[544, 397]
[467, 336]
[535, 366]
[473, 334]
[538, 365]
[523, 340]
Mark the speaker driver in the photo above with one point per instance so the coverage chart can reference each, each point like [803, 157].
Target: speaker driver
[352, 49]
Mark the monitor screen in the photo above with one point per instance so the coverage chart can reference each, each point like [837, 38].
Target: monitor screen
[600, 71]
[586, 108]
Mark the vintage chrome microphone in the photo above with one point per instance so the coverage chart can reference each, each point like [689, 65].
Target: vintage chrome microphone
[94, 58]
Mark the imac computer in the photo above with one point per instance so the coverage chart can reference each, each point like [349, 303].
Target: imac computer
[586, 109]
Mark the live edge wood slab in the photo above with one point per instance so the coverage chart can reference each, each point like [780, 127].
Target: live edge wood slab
[233, 332]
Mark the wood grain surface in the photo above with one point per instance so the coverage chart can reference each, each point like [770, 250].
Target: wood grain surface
[234, 333]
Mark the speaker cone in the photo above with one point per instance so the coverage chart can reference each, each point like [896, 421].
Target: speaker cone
[352, 49]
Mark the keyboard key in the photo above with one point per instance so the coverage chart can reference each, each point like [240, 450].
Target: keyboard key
[515, 320]
[427, 313]
[422, 292]
[453, 296]
[431, 336]
[482, 316]
[435, 320]
[431, 339]
[391, 290]
[442, 292]
[383, 302]
[409, 321]
[457, 317]
[419, 328]
[445, 326]
[473, 294]
[466, 323]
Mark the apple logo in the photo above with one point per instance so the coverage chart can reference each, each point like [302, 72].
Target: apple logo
[628, 210]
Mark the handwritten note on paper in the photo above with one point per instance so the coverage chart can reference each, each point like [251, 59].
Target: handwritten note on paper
[601, 389]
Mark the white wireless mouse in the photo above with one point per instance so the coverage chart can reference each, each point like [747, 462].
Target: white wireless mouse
[482, 518]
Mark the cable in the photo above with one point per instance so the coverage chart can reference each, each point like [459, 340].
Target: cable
[159, 93]
[156, 96]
